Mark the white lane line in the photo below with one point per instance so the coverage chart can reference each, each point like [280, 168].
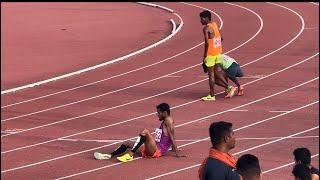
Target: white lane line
[183, 140]
[158, 62]
[310, 28]
[88, 150]
[278, 111]
[316, 78]
[173, 26]
[286, 165]
[172, 108]
[239, 110]
[83, 132]
[171, 76]
[261, 26]
[99, 65]
[266, 138]
[237, 153]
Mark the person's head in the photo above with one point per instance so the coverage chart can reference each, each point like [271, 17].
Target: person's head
[163, 111]
[302, 155]
[221, 134]
[248, 167]
[205, 17]
[301, 172]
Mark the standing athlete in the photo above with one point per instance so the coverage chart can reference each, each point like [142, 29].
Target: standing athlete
[149, 146]
[212, 55]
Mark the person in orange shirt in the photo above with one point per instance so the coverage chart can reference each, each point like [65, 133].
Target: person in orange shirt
[212, 56]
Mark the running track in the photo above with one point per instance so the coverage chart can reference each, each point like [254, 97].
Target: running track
[279, 42]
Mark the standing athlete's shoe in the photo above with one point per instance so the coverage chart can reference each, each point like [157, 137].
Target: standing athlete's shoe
[240, 91]
[101, 156]
[231, 92]
[125, 158]
[226, 91]
[209, 98]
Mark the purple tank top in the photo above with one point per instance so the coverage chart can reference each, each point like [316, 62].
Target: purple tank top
[165, 141]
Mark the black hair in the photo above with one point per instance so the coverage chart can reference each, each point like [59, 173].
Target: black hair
[218, 131]
[248, 166]
[164, 107]
[302, 172]
[303, 155]
[205, 14]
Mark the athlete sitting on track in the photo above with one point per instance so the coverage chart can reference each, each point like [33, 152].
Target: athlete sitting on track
[153, 147]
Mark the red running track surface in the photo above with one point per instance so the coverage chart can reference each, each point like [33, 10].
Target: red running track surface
[283, 103]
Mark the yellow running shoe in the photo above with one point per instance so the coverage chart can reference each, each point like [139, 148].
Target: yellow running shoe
[209, 98]
[125, 158]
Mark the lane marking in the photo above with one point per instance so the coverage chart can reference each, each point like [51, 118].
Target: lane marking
[261, 26]
[119, 75]
[243, 127]
[151, 113]
[239, 110]
[310, 28]
[172, 76]
[182, 140]
[278, 111]
[173, 26]
[103, 64]
[83, 132]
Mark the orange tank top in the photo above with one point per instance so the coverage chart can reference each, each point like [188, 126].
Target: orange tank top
[215, 46]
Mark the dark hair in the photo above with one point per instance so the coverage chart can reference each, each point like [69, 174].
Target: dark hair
[303, 155]
[218, 131]
[164, 107]
[302, 172]
[248, 166]
[206, 14]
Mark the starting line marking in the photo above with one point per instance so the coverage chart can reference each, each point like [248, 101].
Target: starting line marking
[189, 140]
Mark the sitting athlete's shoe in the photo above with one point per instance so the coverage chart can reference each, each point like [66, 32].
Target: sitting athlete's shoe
[125, 158]
[209, 98]
[101, 156]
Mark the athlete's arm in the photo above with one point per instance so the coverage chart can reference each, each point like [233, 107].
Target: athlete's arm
[206, 44]
[170, 129]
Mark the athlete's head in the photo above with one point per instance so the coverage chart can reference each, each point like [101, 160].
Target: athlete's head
[205, 17]
[301, 172]
[248, 167]
[221, 134]
[302, 155]
[163, 111]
